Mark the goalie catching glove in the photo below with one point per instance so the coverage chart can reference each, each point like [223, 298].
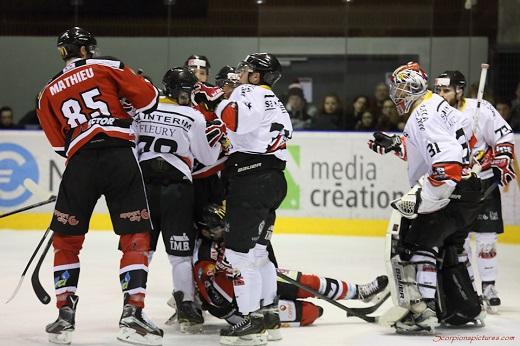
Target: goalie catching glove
[209, 96]
[384, 143]
[502, 163]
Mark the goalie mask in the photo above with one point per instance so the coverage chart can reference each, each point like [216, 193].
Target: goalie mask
[212, 223]
[70, 43]
[407, 84]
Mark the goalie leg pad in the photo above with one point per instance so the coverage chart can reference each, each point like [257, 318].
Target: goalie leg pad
[458, 301]
[404, 282]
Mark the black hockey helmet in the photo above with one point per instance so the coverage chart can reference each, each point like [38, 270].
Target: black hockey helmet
[71, 41]
[212, 223]
[227, 75]
[197, 61]
[178, 79]
[266, 63]
[454, 79]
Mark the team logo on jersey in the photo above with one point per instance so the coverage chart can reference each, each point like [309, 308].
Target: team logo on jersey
[180, 243]
[16, 165]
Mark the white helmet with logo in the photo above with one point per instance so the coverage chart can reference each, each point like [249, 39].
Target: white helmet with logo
[407, 84]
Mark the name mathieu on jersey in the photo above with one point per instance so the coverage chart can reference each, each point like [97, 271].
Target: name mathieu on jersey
[83, 101]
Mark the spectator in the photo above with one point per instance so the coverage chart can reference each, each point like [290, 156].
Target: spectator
[331, 114]
[389, 119]
[504, 110]
[359, 106]
[7, 118]
[297, 107]
[30, 121]
[516, 101]
[366, 123]
[488, 93]
[380, 96]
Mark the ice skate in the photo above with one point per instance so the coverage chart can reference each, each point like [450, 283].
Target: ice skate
[60, 330]
[135, 328]
[173, 318]
[272, 321]
[249, 332]
[421, 319]
[374, 291]
[490, 298]
[188, 314]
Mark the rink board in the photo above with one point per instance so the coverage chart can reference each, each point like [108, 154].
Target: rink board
[336, 185]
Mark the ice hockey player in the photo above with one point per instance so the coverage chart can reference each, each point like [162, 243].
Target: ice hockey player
[441, 205]
[214, 279]
[199, 65]
[81, 114]
[227, 79]
[258, 127]
[169, 139]
[495, 152]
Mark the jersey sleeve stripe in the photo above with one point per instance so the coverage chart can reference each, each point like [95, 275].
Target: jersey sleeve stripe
[151, 105]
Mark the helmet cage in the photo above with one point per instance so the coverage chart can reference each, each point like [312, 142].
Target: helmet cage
[407, 84]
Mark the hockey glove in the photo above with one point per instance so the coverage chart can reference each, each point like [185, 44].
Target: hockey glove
[215, 131]
[408, 205]
[384, 143]
[502, 163]
[485, 158]
[224, 266]
[208, 96]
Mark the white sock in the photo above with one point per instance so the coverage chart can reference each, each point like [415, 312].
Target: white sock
[182, 276]
[487, 256]
[247, 292]
[267, 272]
[426, 275]
[466, 258]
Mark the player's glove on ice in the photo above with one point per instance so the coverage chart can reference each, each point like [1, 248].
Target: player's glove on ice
[502, 163]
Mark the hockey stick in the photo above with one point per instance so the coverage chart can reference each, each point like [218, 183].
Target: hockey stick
[42, 295]
[35, 205]
[27, 266]
[350, 311]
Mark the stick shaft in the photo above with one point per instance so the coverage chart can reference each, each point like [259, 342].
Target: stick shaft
[28, 207]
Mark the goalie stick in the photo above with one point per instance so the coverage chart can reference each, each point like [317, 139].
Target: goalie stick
[40, 292]
[356, 312]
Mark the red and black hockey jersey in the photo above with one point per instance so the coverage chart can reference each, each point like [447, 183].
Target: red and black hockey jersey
[83, 101]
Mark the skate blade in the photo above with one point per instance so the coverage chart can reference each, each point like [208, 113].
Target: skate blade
[392, 315]
[171, 303]
[131, 336]
[493, 310]
[64, 338]
[274, 334]
[189, 328]
[246, 340]
[172, 320]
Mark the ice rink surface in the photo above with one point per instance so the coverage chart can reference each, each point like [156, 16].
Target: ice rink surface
[358, 259]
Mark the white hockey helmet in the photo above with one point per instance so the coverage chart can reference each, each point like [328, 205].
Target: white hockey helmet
[407, 84]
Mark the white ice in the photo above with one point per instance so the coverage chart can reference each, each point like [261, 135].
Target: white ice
[358, 259]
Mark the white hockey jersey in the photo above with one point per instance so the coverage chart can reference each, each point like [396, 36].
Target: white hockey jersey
[177, 134]
[437, 145]
[492, 129]
[258, 123]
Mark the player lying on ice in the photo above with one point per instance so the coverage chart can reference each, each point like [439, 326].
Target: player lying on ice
[214, 279]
